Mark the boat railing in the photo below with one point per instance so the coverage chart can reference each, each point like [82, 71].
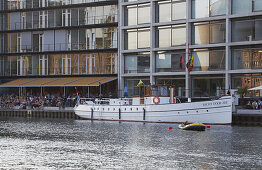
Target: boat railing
[106, 101]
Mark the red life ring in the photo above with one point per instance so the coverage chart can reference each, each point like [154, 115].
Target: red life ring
[156, 100]
[173, 100]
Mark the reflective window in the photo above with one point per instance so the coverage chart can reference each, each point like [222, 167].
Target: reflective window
[249, 80]
[170, 62]
[137, 64]
[171, 36]
[179, 9]
[164, 10]
[137, 38]
[247, 30]
[208, 8]
[241, 6]
[138, 14]
[257, 5]
[246, 58]
[171, 10]
[207, 87]
[208, 32]
[209, 60]
[200, 8]
[217, 7]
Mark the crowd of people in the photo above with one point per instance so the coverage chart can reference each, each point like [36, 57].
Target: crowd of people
[254, 104]
[35, 102]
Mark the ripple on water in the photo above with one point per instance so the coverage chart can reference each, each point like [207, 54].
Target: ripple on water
[70, 144]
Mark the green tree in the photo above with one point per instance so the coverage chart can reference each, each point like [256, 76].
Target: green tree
[242, 91]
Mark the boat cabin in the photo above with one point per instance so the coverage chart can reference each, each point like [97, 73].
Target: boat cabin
[153, 94]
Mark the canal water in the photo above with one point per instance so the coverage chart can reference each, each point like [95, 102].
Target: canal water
[81, 144]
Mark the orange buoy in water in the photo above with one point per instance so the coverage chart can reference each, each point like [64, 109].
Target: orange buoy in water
[170, 128]
[208, 127]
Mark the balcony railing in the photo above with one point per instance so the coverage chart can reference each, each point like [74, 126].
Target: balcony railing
[106, 44]
[21, 4]
[74, 22]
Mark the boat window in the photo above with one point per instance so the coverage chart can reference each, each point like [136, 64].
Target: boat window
[136, 108]
[147, 91]
[113, 108]
[136, 91]
[163, 91]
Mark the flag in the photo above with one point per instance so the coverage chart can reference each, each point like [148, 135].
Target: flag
[181, 62]
[229, 92]
[77, 97]
[190, 64]
[125, 91]
[140, 83]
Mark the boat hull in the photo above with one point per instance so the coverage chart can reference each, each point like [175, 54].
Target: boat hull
[208, 112]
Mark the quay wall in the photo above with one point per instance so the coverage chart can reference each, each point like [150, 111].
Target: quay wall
[53, 114]
[237, 119]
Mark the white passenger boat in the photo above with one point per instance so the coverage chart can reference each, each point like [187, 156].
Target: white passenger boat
[156, 104]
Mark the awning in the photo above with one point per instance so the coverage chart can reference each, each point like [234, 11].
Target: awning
[17, 82]
[91, 81]
[38, 82]
[256, 88]
[58, 82]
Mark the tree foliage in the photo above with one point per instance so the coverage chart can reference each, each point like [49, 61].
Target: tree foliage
[242, 91]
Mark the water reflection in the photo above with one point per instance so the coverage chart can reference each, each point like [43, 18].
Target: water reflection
[70, 144]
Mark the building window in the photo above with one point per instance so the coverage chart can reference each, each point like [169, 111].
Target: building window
[168, 36]
[208, 32]
[246, 6]
[247, 30]
[137, 38]
[207, 87]
[170, 62]
[171, 10]
[138, 14]
[247, 58]
[208, 8]
[137, 64]
[249, 80]
[211, 60]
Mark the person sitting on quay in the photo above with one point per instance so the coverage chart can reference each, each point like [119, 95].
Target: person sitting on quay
[254, 105]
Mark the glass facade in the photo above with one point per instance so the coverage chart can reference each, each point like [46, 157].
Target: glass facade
[59, 64]
[48, 38]
[246, 6]
[59, 17]
[138, 14]
[60, 40]
[247, 30]
[168, 36]
[208, 32]
[222, 44]
[170, 62]
[209, 60]
[208, 8]
[247, 58]
[137, 38]
[139, 63]
[28, 4]
[208, 86]
[171, 10]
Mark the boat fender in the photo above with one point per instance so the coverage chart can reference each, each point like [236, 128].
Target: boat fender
[156, 100]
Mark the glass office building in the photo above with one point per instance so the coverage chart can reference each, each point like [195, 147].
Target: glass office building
[58, 38]
[148, 40]
[157, 39]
